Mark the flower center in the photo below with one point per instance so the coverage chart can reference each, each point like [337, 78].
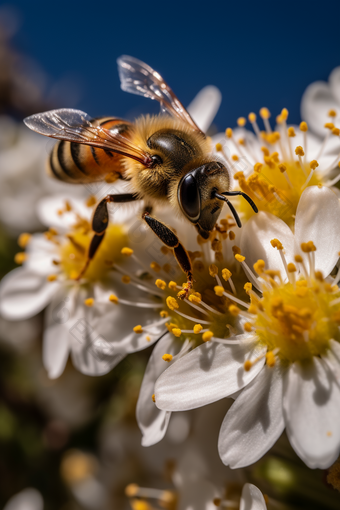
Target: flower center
[74, 251]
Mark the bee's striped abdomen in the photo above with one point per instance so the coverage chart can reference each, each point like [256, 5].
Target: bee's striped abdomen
[79, 163]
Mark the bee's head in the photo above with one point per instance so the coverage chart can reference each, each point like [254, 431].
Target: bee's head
[201, 193]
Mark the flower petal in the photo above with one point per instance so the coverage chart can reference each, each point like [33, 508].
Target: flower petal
[252, 498]
[254, 422]
[334, 83]
[152, 421]
[317, 220]
[204, 106]
[256, 236]
[28, 499]
[23, 294]
[206, 374]
[311, 405]
[316, 102]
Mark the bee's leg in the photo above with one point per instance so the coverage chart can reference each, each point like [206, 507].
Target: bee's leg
[100, 223]
[169, 238]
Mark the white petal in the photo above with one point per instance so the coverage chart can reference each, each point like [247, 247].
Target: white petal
[23, 294]
[40, 255]
[206, 374]
[152, 421]
[28, 499]
[48, 207]
[254, 422]
[317, 220]
[316, 102]
[252, 498]
[334, 83]
[311, 405]
[204, 106]
[256, 236]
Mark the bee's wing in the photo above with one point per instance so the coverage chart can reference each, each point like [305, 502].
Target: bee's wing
[76, 126]
[137, 77]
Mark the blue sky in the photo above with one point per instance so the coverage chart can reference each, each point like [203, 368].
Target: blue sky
[257, 53]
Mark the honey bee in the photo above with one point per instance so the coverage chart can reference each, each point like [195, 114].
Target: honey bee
[165, 158]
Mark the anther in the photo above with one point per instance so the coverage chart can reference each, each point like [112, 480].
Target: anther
[153, 397]
[24, 239]
[270, 359]
[89, 302]
[234, 310]
[248, 287]
[226, 274]
[247, 365]
[329, 125]
[336, 131]
[218, 147]
[291, 267]
[172, 303]
[207, 335]
[299, 151]
[164, 314]
[113, 299]
[235, 157]
[155, 266]
[218, 290]
[197, 329]
[276, 244]
[19, 258]
[264, 113]
[126, 279]
[291, 132]
[213, 270]
[252, 117]
[248, 327]
[313, 164]
[259, 266]
[257, 167]
[138, 329]
[229, 133]
[282, 168]
[177, 332]
[160, 284]
[231, 235]
[195, 298]
[167, 357]
[91, 201]
[303, 126]
[332, 113]
[239, 257]
[127, 252]
[52, 278]
[284, 114]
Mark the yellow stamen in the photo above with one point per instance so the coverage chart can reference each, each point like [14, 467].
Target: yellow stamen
[241, 121]
[239, 257]
[164, 314]
[52, 277]
[234, 310]
[19, 258]
[181, 294]
[91, 201]
[148, 338]
[218, 290]
[177, 332]
[167, 357]
[229, 133]
[303, 126]
[248, 327]
[336, 131]
[298, 259]
[24, 239]
[172, 303]
[235, 157]
[138, 329]
[332, 113]
[126, 251]
[299, 151]
[232, 235]
[270, 358]
[247, 365]
[282, 168]
[195, 297]
[126, 279]
[284, 114]
[89, 301]
[155, 267]
[207, 335]
[226, 274]
[113, 299]
[160, 284]
[276, 244]
[252, 117]
[248, 287]
[218, 147]
[197, 328]
[329, 125]
[313, 164]
[153, 397]
[264, 113]
[172, 285]
[291, 268]
[257, 167]
[213, 270]
[259, 266]
[291, 132]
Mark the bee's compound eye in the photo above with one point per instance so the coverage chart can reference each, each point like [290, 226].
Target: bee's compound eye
[189, 197]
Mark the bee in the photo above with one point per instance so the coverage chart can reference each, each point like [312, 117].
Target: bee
[165, 158]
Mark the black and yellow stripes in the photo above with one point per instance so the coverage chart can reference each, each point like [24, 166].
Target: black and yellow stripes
[79, 163]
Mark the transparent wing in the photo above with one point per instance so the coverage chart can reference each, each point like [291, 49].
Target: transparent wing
[137, 77]
[76, 126]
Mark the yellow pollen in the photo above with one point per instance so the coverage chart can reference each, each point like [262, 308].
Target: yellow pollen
[218, 147]
[252, 309]
[257, 167]
[207, 335]
[89, 302]
[248, 287]
[313, 164]
[299, 151]
[218, 290]
[329, 125]
[276, 244]
[270, 358]
[91, 201]
[216, 245]
[213, 270]
[163, 314]
[242, 141]
[308, 247]
[247, 365]
[172, 285]
[167, 357]
[291, 132]
[195, 298]
[68, 206]
[172, 303]
[235, 157]
[131, 490]
[160, 284]
[336, 131]
[126, 279]
[197, 328]
[153, 398]
[113, 299]
[126, 251]
[319, 276]
[234, 310]
[232, 235]
[138, 329]
[279, 119]
[284, 113]
[259, 266]
[264, 113]
[19, 258]
[282, 168]
[52, 277]
[181, 294]
[226, 274]
[248, 327]
[252, 117]
[291, 267]
[156, 267]
[265, 151]
[298, 259]
[24, 239]
[332, 113]
[229, 132]
[236, 250]
[241, 121]
[239, 257]
[303, 127]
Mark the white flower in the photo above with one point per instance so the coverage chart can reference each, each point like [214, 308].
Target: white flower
[320, 102]
[287, 362]
[82, 316]
[275, 167]
[28, 499]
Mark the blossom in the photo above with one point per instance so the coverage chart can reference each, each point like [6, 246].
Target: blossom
[320, 102]
[286, 363]
[82, 315]
[29, 499]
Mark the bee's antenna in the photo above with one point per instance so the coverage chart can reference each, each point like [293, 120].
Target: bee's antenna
[244, 195]
[231, 207]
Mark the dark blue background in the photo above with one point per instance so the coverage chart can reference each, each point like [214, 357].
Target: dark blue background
[257, 53]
